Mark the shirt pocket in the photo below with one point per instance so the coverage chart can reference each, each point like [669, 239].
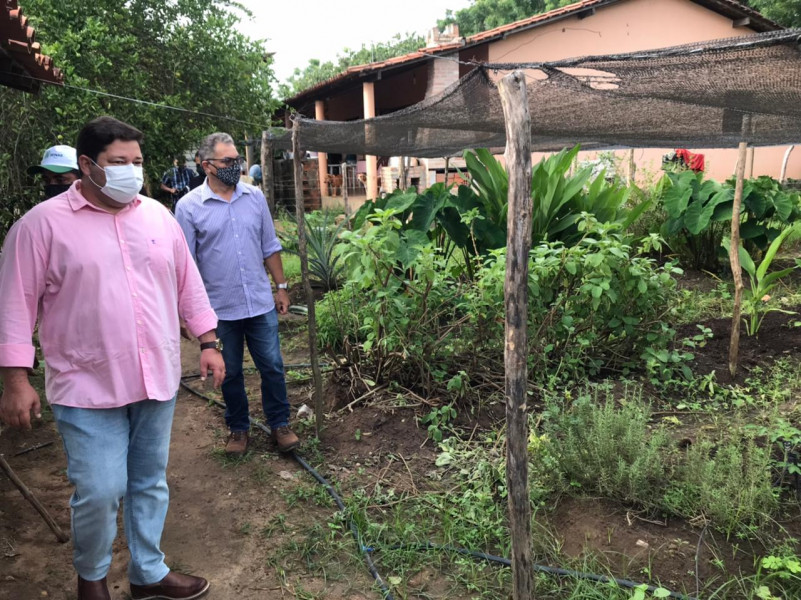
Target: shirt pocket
[161, 258]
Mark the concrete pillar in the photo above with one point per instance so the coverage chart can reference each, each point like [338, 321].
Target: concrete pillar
[322, 157]
[368, 92]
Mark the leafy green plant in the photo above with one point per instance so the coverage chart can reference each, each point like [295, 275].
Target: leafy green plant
[768, 209]
[322, 237]
[696, 209]
[757, 297]
[438, 420]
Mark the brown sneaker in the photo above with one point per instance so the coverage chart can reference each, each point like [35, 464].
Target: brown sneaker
[286, 440]
[175, 586]
[237, 443]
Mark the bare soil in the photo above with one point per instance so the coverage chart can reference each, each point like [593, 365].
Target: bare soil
[241, 524]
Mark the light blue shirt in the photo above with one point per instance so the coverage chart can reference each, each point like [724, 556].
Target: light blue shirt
[229, 242]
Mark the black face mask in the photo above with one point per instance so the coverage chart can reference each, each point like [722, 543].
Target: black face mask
[54, 189]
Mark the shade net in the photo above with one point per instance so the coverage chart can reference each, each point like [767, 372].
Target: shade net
[703, 95]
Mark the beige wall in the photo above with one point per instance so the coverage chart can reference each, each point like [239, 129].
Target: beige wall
[634, 25]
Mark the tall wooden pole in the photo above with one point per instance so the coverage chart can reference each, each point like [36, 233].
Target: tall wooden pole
[267, 179]
[300, 216]
[447, 165]
[734, 250]
[518, 164]
[343, 170]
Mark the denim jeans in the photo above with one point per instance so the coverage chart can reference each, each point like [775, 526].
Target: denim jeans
[115, 453]
[261, 334]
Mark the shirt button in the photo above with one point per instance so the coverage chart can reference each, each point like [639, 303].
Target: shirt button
[122, 241]
[143, 350]
[134, 294]
[139, 322]
[127, 268]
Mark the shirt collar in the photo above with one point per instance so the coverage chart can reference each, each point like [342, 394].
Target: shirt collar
[78, 201]
[207, 193]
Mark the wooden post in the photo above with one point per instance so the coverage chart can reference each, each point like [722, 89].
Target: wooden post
[343, 170]
[300, 216]
[267, 180]
[248, 151]
[734, 251]
[632, 167]
[785, 160]
[518, 164]
[447, 162]
[402, 174]
[28, 495]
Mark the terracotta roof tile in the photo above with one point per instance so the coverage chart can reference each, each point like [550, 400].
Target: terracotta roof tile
[730, 8]
[20, 54]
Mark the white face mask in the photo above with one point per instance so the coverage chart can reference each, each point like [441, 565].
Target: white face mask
[123, 182]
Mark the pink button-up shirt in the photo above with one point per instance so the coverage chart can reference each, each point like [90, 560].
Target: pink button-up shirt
[108, 291]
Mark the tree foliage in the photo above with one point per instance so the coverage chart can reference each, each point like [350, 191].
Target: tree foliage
[317, 71]
[180, 53]
[487, 14]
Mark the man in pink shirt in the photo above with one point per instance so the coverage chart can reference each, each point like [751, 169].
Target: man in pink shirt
[108, 275]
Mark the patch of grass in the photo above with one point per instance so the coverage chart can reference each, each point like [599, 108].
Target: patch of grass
[291, 263]
[226, 460]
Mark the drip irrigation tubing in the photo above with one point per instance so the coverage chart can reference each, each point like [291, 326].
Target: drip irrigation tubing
[366, 551]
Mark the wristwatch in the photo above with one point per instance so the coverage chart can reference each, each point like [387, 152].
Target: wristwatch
[282, 286]
[215, 345]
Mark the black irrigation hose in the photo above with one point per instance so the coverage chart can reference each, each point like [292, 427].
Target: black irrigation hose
[366, 551]
[331, 491]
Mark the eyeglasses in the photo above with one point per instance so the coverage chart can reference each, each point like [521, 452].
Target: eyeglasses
[228, 162]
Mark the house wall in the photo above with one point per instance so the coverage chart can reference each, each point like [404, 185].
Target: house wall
[641, 25]
[441, 74]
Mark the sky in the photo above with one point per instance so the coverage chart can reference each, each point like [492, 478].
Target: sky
[300, 30]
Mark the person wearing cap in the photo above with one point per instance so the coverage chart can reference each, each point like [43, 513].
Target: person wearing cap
[59, 170]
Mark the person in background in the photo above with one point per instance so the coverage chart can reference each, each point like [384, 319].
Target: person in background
[255, 173]
[108, 275]
[59, 170]
[244, 177]
[176, 180]
[200, 175]
[232, 238]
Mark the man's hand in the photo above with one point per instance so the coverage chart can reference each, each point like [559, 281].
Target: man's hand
[18, 401]
[282, 301]
[212, 360]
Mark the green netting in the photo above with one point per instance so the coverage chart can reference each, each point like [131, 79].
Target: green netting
[694, 96]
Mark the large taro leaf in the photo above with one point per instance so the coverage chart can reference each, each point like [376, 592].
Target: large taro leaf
[700, 211]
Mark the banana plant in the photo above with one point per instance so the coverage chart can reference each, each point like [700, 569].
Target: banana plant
[756, 303]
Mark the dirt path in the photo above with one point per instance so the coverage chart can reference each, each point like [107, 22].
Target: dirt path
[221, 523]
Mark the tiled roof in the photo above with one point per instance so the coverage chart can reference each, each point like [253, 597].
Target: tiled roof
[20, 54]
[729, 8]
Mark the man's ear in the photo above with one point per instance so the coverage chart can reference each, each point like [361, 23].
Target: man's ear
[85, 163]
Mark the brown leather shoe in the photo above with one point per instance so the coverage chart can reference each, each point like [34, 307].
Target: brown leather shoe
[286, 440]
[237, 443]
[93, 590]
[175, 586]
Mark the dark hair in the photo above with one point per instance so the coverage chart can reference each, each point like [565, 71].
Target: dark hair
[98, 134]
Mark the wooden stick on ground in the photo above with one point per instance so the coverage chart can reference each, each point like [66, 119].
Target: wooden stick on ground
[28, 495]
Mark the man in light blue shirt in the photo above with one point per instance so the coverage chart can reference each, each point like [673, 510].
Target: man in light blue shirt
[231, 236]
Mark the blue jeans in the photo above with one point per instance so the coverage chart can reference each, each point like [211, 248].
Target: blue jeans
[261, 334]
[116, 453]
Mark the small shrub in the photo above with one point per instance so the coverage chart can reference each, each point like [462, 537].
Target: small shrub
[612, 451]
[729, 483]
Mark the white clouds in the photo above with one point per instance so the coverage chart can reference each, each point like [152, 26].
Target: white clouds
[299, 31]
